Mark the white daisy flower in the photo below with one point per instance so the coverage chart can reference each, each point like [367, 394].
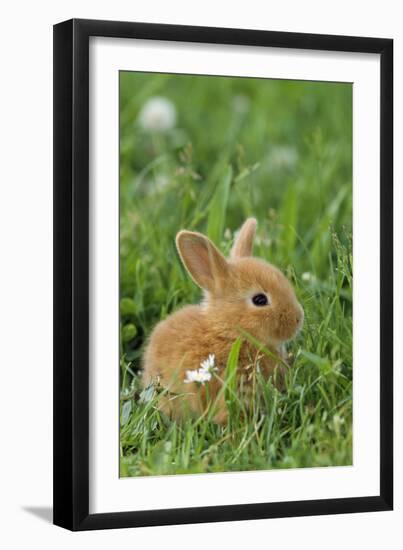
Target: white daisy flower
[204, 373]
[208, 364]
[158, 114]
[198, 375]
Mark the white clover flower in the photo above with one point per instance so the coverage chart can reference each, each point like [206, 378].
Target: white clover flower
[308, 277]
[263, 241]
[227, 234]
[161, 181]
[198, 375]
[241, 103]
[158, 114]
[337, 420]
[282, 157]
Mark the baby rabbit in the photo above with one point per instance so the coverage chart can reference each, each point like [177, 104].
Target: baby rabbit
[241, 292]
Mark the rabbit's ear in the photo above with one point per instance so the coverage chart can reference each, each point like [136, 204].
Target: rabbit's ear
[243, 244]
[204, 262]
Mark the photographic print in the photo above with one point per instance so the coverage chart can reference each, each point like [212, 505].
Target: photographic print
[213, 359]
[235, 274]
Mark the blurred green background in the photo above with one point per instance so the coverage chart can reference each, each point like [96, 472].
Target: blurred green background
[203, 153]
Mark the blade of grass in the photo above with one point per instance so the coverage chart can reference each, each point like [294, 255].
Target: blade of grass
[218, 207]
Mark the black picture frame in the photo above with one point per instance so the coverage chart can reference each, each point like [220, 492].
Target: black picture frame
[71, 274]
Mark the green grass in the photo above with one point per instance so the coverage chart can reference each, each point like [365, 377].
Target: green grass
[282, 152]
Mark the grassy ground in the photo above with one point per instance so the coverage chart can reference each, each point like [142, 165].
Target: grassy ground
[282, 152]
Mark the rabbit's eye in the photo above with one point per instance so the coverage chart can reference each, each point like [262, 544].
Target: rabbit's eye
[260, 300]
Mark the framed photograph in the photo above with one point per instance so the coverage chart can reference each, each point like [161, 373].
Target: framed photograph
[223, 321]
